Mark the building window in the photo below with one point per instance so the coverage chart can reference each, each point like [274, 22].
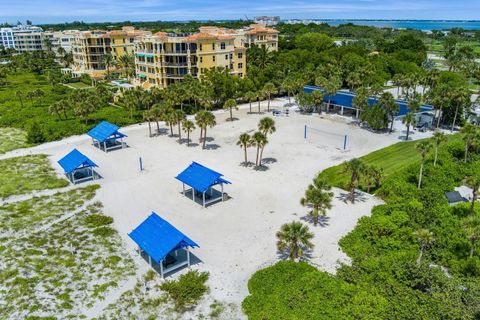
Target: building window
[240, 65]
[222, 45]
[226, 57]
[213, 58]
[200, 47]
[231, 55]
[240, 55]
[201, 58]
[213, 46]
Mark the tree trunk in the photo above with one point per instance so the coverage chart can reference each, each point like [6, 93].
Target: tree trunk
[188, 138]
[201, 134]
[259, 106]
[268, 105]
[149, 129]
[466, 151]
[158, 126]
[391, 126]
[454, 118]
[439, 117]
[65, 113]
[250, 106]
[231, 115]
[420, 176]
[474, 199]
[436, 156]
[315, 216]
[171, 129]
[408, 131]
[472, 249]
[204, 137]
[256, 160]
[420, 256]
[179, 132]
[245, 153]
[261, 156]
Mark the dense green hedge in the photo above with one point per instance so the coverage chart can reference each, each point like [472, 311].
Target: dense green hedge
[384, 281]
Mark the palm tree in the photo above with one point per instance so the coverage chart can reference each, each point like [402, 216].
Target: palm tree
[260, 95]
[269, 89]
[469, 134]
[148, 115]
[55, 109]
[473, 182]
[317, 197]
[423, 148]
[425, 239]
[250, 97]
[438, 139]
[108, 61]
[294, 238]
[391, 107]
[179, 116]
[205, 119]
[230, 104]
[408, 120]
[170, 118]
[266, 126]
[372, 176]
[460, 96]
[258, 140]
[331, 87]
[188, 127]
[244, 141]
[356, 168]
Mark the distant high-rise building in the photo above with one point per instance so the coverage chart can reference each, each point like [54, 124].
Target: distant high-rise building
[267, 20]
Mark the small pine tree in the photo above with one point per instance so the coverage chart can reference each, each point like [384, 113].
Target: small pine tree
[35, 134]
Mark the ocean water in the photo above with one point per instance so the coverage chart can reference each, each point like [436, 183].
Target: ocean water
[411, 24]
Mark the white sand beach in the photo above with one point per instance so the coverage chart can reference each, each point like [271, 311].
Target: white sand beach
[236, 237]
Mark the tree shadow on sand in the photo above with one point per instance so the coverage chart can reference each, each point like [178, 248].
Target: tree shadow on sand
[307, 255]
[247, 165]
[212, 146]
[323, 221]
[359, 197]
[232, 119]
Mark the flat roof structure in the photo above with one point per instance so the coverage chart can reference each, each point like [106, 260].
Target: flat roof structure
[77, 166]
[201, 179]
[454, 197]
[158, 239]
[105, 136]
[344, 99]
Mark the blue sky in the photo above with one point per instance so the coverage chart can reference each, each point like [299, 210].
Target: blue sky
[46, 11]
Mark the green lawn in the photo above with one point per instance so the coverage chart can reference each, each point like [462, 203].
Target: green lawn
[22, 175]
[390, 159]
[21, 112]
[12, 138]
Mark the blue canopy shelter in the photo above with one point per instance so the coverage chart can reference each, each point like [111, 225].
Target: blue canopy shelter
[105, 136]
[344, 100]
[201, 180]
[163, 243]
[78, 167]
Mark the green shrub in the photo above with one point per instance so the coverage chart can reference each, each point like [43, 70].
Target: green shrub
[187, 291]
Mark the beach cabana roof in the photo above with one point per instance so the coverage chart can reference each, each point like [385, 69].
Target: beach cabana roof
[158, 238]
[200, 177]
[454, 197]
[75, 160]
[105, 130]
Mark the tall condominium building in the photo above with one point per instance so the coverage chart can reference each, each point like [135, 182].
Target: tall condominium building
[90, 47]
[259, 35]
[22, 38]
[59, 39]
[162, 59]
